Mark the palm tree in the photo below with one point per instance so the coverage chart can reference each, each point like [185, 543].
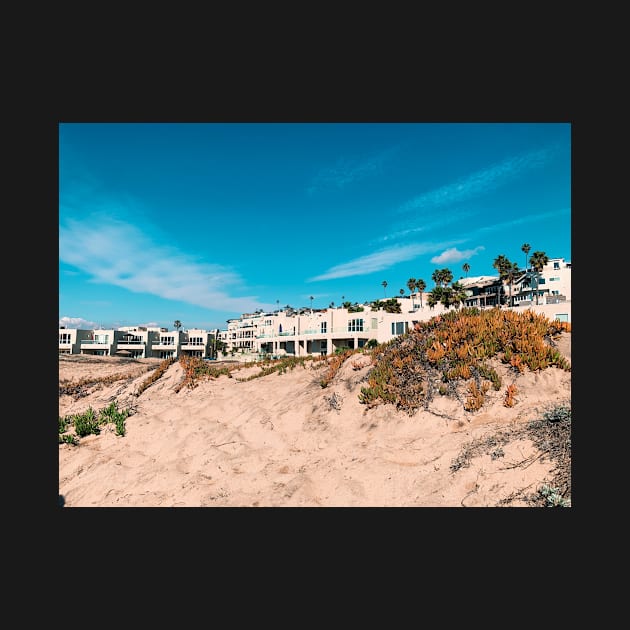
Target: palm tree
[384, 283]
[501, 263]
[466, 268]
[537, 261]
[525, 248]
[402, 292]
[177, 324]
[435, 296]
[510, 274]
[421, 285]
[311, 299]
[411, 285]
[459, 294]
[442, 277]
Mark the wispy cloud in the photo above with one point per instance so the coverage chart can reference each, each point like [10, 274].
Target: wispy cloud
[453, 255]
[479, 182]
[380, 260]
[114, 252]
[347, 171]
[412, 228]
[525, 218]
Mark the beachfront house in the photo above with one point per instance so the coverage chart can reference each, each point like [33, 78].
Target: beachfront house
[198, 342]
[70, 339]
[137, 341]
[552, 284]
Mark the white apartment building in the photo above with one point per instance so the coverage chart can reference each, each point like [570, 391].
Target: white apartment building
[306, 332]
[70, 339]
[101, 342]
[198, 342]
[138, 342]
[553, 285]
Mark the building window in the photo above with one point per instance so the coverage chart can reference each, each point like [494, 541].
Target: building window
[64, 338]
[556, 265]
[541, 281]
[398, 328]
[554, 279]
[555, 293]
[355, 325]
[562, 317]
[323, 326]
[374, 323]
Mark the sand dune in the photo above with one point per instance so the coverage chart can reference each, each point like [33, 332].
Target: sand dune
[283, 440]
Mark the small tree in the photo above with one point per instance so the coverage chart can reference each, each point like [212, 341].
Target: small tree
[384, 283]
[177, 324]
[466, 268]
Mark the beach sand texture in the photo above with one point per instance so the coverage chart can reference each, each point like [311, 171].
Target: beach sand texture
[282, 440]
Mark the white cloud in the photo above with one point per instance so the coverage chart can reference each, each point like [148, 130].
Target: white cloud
[453, 255]
[120, 254]
[379, 260]
[77, 322]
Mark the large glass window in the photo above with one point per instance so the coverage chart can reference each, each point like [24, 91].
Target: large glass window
[323, 326]
[355, 325]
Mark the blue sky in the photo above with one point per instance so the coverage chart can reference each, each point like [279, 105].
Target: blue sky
[202, 222]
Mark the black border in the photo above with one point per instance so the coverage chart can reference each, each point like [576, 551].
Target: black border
[419, 91]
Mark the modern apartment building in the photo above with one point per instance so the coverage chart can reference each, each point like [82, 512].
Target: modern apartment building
[70, 339]
[306, 331]
[101, 342]
[198, 342]
[138, 342]
[553, 284]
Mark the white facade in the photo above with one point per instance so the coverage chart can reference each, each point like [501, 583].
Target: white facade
[320, 331]
[70, 339]
[102, 342]
[553, 285]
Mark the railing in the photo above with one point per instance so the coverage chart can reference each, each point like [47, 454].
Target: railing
[131, 342]
[311, 331]
[95, 341]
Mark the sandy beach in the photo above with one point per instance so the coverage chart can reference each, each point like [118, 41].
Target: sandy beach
[283, 440]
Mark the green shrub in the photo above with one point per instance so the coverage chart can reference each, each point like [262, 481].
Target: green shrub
[86, 423]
